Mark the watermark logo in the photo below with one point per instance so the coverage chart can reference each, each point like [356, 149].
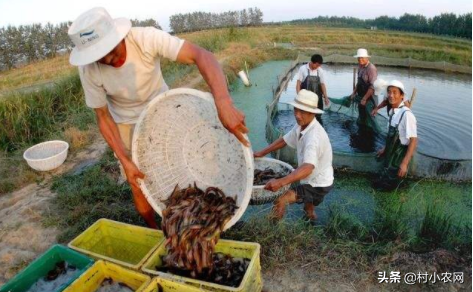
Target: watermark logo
[395, 277]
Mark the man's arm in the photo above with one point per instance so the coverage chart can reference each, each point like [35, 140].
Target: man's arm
[109, 131]
[232, 119]
[380, 106]
[407, 158]
[299, 173]
[368, 95]
[276, 145]
[324, 92]
[372, 76]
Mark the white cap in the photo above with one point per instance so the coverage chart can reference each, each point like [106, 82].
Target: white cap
[307, 101]
[94, 34]
[362, 53]
[398, 84]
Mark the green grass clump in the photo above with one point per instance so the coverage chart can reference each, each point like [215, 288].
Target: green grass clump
[342, 225]
[30, 117]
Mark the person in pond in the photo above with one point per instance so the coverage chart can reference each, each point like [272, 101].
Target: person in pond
[311, 77]
[314, 158]
[364, 89]
[401, 141]
[120, 72]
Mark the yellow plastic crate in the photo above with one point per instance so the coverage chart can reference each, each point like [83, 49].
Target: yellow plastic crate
[252, 281]
[91, 280]
[169, 286]
[117, 242]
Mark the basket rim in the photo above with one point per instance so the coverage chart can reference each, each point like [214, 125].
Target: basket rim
[32, 148]
[247, 152]
[276, 161]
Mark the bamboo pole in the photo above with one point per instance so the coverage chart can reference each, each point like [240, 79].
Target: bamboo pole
[413, 97]
[354, 78]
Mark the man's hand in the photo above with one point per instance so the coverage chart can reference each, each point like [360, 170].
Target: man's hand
[374, 112]
[352, 96]
[363, 101]
[258, 154]
[132, 173]
[273, 185]
[402, 170]
[380, 152]
[327, 101]
[233, 120]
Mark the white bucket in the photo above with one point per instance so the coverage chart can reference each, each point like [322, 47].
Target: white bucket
[244, 78]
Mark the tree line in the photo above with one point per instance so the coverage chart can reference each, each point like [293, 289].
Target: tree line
[443, 24]
[29, 43]
[206, 20]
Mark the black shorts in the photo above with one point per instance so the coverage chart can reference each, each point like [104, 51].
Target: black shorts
[308, 194]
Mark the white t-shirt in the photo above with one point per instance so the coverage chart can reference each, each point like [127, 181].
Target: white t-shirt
[314, 148]
[128, 89]
[408, 126]
[304, 71]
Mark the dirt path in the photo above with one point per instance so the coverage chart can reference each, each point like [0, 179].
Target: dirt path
[22, 233]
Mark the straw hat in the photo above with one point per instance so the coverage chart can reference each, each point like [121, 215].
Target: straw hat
[94, 34]
[307, 101]
[362, 53]
[396, 83]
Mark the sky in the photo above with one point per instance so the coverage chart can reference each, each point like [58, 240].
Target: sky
[18, 12]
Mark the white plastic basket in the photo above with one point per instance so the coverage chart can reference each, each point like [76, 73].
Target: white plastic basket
[262, 196]
[47, 155]
[179, 139]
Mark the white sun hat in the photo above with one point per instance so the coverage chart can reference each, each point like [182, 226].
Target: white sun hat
[362, 53]
[94, 34]
[307, 101]
[396, 83]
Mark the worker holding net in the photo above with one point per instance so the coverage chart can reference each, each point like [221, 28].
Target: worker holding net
[363, 93]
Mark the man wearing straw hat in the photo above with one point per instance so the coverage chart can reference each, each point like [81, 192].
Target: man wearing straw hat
[364, 89]
[119, 67]
[314, 158]
[401, 140]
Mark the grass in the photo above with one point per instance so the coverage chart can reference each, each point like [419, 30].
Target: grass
[27, 118]
[57, 112]
[86, 197]
[35, 73]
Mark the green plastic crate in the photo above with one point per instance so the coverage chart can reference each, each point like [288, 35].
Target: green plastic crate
[252, 281]
[43, 264]
[124, 244]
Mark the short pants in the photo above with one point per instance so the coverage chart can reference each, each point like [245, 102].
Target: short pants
[306, 193]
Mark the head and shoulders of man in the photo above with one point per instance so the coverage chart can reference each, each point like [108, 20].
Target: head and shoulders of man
[396, 95]
[363, 59]
[315, 64]
[305, 109]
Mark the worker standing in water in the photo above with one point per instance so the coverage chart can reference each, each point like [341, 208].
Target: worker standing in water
[311, 77]
[401, 141]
